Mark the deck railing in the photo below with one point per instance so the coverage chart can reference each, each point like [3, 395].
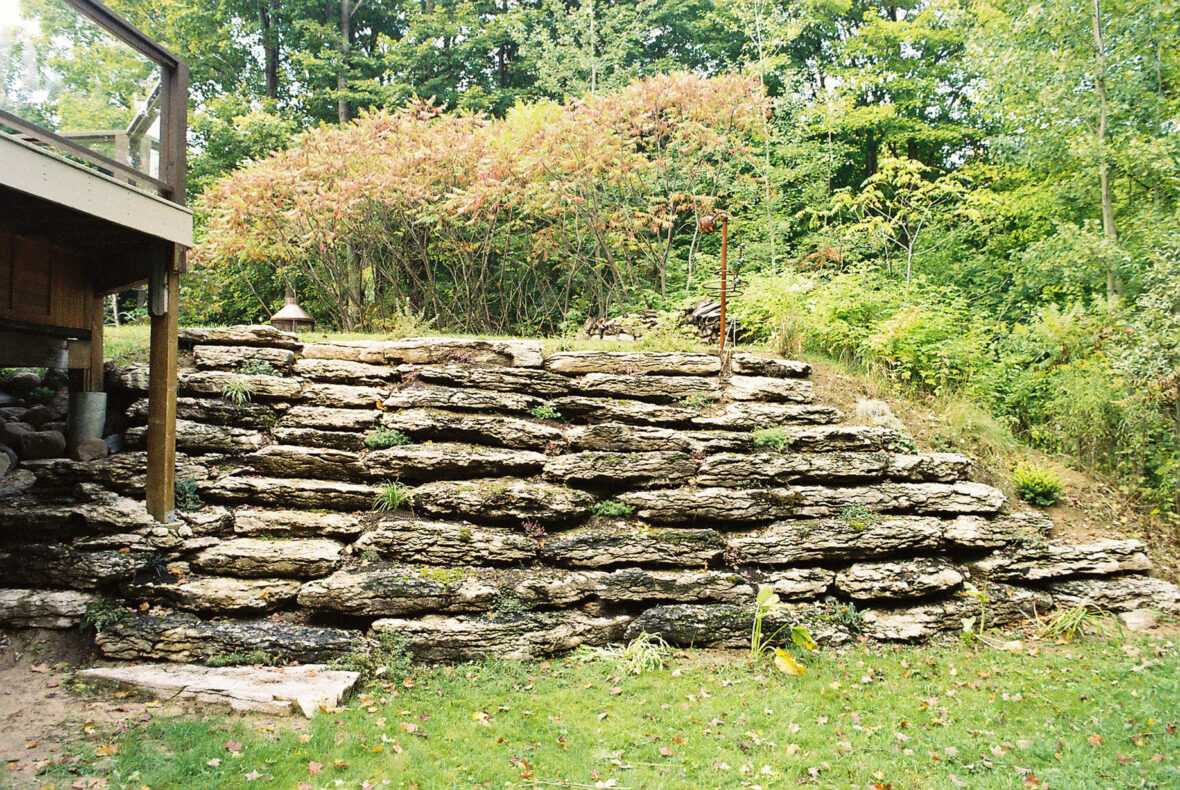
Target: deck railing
[172, 101]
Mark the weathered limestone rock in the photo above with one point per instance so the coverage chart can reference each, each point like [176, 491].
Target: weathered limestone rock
[428, 424]
[973, 533]
[434, 397]
[208, 357]
[1035, 561]
[728, 625]
[1120, 594]
[738, 469]
[314, 437]
[289, 492]
[596, 410]
[501, 500]
[621, 438]
[341, 396]
[769, 389]
[97, 511]
[278, 460]
[819, 540]
[255, 335]
[658, 389]
[340, 371]
[530, 636]
[633, 545]
[530, 381]
[746, 364]
[445, 543]
[754, 505]
[441, 350]
[1138, 620]
[1005, 605]
[199, 439]
[212, 520]
[630, 470]
[574, 363]
[125, 473]
[42, 608]
[446, 460]
[215, 383]
[326, 419]
[252, 522]
[838, 438]
[184, 638]
[751, 415]
[918, 578]
[217, 595]
[276, 691]
[89, 450]
[298, 558]
[402, 590]
[57, 565]
[370, 352]
[635, 585]
[801, 584]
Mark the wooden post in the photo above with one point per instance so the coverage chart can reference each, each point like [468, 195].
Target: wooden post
[95, 370]
[161, 436]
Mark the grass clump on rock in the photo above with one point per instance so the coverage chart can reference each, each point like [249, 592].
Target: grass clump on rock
[612, 508]
[771, 438]
[391, 497]
[383, 438]
[545, 412]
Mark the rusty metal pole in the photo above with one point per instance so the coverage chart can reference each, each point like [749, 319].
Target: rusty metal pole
[724, 274]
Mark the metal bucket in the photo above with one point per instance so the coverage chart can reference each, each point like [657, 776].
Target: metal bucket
[86, 418]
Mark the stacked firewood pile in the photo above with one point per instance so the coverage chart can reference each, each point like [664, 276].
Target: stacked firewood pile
[630, 326]
[701, 321]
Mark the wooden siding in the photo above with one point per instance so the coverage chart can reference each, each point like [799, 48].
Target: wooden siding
[42, 284]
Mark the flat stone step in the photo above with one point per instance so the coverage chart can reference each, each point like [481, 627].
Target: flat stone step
[621, 470]
[445, 543]
[671, 363]
[216, 595]
[681, 389]
[617, 437]
[530, 381]
[633, 544]
[1005, 605]
[290, 492]
[254, 558]
[42, 608]
[501, 501]
[431, 396]
[1036, 561]
[439, 424]
[444, 460]
[765, 468]
[240, 335]
[1119, 594]
[218, 357]
[273, 690]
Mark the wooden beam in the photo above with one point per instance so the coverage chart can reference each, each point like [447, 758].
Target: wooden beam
[161, 436]
[95, 368]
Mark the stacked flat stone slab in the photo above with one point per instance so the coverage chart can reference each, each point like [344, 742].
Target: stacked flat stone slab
[544, 502]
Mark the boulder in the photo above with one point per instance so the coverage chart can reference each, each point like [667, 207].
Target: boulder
[639, 585]
[684, 505]
[8, 459]
[621, 470]
[213, 520]
[1005, 605]
[448, 460]
[185, 638]
[89, 450]
[627, 544]
[1037, 560]
[16, 482]
[254, 335]
[58, 565]
[340, 371]
[530, 636]
[751, 415]
[209, 357]
[37, 416]
[275, 691]
[314, 437]
[321, 463]
[729, 625]
[253, 522]
[429, 396]
[298, 558]
[216, 383]
[623, 438]
[289, 493]
[217, 595]
[370, 352]
[433, 424]
[213, 411]
[767, 468]
[576, 363]
[326, 419]
[22, 381]
[1119, 594]
[445, 543]
[501, 500]
[42, 608]
[747, 364]
[341, 396]
[13, 433]
[916, 578]
[530, 381]
[1138, 620]
[42, 444]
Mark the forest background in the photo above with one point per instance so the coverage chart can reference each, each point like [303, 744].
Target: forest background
[977, 198]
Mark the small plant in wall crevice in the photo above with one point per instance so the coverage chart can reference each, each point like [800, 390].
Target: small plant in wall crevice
[391, 496]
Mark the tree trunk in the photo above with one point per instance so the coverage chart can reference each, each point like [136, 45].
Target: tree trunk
[270, 47]
[1114, 287]
[343, 110]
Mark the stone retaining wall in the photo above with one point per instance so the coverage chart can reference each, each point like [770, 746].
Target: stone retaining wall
[545, 502]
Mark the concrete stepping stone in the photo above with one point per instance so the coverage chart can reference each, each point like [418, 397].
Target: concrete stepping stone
[273, 690]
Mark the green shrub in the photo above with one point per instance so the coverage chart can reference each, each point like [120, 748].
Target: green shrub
[859, 517]
[545, 412]
[1038, 485]
[186, 495]
[102, 612]
[391, 496]
[251, 658]
[773, 438]
[257, 367]
[387, 653]
[612, 508]
[381, 438]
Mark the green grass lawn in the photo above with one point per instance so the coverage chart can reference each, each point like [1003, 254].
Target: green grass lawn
[1093, 714]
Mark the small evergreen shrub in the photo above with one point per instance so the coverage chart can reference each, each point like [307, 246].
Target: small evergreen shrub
[612, 508]
[545, 412]
[186, 495]
[1037, 485]
[382, 438]
[772, 438]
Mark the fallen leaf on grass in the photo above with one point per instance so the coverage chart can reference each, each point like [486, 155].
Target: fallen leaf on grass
[787, 663]
[666, 751]
[314, 768]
